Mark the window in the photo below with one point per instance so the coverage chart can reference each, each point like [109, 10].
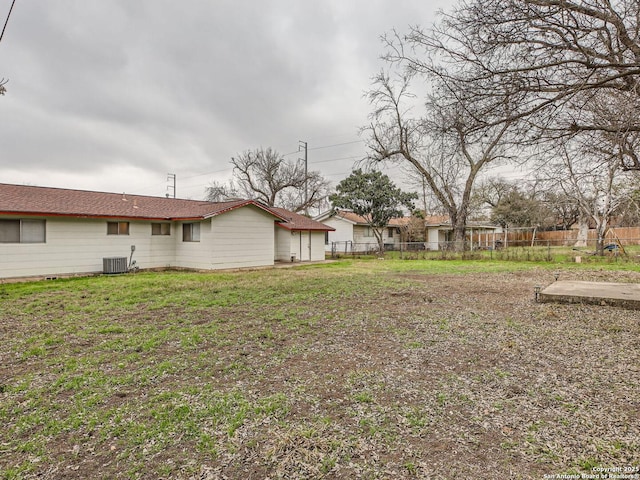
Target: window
[326, 238]
[190, 232]
[368, 232]
[160, 229]
[22, 231]
[117, 228]
[390, 232]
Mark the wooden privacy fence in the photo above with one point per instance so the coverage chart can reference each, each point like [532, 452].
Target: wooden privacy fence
[519, 237]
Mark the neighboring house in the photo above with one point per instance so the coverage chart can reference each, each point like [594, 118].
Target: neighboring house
[353, 234]
[439, 233]
[51, 231]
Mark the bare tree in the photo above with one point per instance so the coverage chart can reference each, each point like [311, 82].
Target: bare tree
[564, 210]
[492, 190]
[592, 175]
[551, 58]
[266, 176]
[446, 146]
[221, 192]
[628, 213]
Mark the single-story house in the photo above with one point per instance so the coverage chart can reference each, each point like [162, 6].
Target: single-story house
[52, 231]
[352, 232]
[439, 233]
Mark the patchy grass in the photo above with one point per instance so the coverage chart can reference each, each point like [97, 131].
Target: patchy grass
[356, 369]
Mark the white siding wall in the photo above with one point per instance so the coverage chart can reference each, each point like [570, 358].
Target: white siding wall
[348, 232]
[343, 232]
[297, 243]
[162, 251]
[79, 245]
[364, 242]
[195, 255]
[242, 238]
[284, 245]
[435, 238]
[395, 239]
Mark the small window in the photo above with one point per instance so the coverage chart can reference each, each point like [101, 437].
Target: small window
[368, 232]
[9, 231]
[190, 232]
[117, 228]
[22, 231]
[326, 238]
[160, 229]
[390, 233]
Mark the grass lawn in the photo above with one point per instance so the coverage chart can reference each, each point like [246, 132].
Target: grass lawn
[354, 369]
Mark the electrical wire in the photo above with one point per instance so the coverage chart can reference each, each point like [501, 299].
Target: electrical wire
[7, 20]
[325, 146]
[336, 145]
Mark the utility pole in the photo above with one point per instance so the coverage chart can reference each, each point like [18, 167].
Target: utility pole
[306, 176]
[171, 176]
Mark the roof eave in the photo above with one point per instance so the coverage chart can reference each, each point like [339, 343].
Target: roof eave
[81, 215]
[302, 229]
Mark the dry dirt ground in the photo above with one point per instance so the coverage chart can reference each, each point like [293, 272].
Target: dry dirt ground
[433, 376]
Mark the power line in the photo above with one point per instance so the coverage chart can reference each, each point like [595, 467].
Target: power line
[326, 146]
[353, 157]
[286, 154]
[7, 20]
[337, 145]
[207, 173]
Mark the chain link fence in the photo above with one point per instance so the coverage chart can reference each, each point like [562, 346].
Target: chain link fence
[549, 250]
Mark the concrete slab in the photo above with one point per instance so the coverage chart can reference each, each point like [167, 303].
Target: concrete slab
[625, 295]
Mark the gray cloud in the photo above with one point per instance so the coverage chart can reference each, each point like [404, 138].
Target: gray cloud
[113, 95]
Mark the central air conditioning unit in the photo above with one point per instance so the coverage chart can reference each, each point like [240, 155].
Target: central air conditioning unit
[114, 265]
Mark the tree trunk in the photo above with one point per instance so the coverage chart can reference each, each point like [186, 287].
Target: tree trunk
[601, 230]
[583, 232]
[459, 236]
[379, 236]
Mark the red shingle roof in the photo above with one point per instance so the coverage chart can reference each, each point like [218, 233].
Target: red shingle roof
[360, 220]
[437, 220]
[45, 201]
[295, 221]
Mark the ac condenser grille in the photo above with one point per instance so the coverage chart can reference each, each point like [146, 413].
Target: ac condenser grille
[114, 265]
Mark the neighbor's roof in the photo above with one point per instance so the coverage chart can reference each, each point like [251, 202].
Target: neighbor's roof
[437, 220]
[445, 221]
[45, 201]
[360, 220]
[295, 221]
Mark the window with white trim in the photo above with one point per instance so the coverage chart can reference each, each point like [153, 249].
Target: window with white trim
[190, 232]
[22, 231]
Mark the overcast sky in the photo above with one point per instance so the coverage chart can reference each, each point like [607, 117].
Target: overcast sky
[112, 95]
